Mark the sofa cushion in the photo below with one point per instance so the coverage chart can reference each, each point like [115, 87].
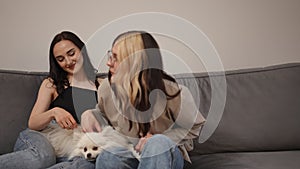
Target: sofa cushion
[261, 112]
[250, 160]
[18, 94]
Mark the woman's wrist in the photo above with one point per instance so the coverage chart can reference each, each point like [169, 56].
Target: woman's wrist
[53, 113]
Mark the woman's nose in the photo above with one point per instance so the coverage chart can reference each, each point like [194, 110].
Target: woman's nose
[109, 63]
[68, 61]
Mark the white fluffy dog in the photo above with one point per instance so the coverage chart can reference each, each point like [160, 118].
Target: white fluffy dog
[71, 143]
[92, 144]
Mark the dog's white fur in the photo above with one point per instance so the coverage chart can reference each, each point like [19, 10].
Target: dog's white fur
[62, 140]
[71, 143]
[87, 147]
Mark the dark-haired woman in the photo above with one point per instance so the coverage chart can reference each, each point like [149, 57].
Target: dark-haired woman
[69, 90]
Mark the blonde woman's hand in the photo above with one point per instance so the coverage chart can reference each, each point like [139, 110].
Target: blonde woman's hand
[64, 119]
[143, 140]
[89, 123]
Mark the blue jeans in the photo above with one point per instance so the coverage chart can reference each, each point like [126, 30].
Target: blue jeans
[75, 163]
[159, 152]
[33, 151]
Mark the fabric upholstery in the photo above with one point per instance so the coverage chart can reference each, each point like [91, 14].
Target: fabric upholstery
[18, 91]
[247, 160]
[261, 113]
[259, 127]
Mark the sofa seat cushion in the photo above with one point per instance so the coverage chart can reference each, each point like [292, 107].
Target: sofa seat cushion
[247, 160]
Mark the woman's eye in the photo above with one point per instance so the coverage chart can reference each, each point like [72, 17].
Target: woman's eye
[72, 53]
[59, 59]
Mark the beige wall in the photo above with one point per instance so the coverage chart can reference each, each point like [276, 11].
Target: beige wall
[245, 33]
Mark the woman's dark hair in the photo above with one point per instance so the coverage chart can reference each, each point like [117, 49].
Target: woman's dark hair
[153, 77]
[57, 74]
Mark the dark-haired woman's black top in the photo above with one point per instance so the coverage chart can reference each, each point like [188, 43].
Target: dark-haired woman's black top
[76, 100]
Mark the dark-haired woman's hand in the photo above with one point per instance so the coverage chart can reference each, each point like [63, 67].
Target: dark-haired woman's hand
[64, 119]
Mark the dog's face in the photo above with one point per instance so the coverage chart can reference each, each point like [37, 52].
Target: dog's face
[88, 148]
[90, 152]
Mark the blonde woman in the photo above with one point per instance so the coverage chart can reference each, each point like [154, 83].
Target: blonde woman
[145, 104]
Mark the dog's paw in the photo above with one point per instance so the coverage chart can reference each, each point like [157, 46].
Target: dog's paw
[135, 154]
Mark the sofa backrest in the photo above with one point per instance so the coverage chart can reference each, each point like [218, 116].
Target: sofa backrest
[261, 113]
[18, 91]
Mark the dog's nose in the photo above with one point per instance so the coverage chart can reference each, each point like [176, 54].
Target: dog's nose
[89, 155]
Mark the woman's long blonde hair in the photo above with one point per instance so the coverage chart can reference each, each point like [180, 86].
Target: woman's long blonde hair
[140, 71]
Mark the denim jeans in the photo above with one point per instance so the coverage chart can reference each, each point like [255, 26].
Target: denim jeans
[33, 151]
[75, 163]
[159, 152]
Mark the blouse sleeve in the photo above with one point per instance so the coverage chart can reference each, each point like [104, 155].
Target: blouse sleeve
[188, 123]
[101, 118]
[99, 111]
[189, 120]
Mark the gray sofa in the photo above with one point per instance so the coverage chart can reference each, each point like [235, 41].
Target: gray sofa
[259, 128]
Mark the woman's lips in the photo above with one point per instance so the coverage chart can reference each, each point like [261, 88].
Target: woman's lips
[72, 67]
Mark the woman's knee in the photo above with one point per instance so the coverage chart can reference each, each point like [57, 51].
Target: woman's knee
[157, 144]
[160, 141]
[115, 159]
[38, 147]
[106, 160]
